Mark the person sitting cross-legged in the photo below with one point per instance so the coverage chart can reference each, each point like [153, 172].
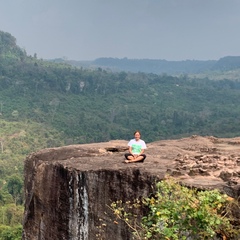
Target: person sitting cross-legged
[136, 149]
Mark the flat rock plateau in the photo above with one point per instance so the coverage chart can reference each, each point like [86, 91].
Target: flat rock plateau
[69, 189]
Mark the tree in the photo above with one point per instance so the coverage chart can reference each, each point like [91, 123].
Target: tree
[14, 186]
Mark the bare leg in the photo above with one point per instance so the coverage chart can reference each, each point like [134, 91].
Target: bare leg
[132, 159]
[129, 158]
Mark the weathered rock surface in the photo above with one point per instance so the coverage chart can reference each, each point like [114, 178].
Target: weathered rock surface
[68, 189]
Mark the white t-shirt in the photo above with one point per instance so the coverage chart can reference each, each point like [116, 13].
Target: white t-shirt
[137, 146]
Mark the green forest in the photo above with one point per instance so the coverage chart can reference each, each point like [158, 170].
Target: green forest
[47, 104]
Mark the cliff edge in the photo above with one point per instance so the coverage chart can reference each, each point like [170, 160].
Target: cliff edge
[68, 189]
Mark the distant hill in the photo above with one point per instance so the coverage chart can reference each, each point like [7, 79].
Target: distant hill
[227, 63]
[154, 66]
[92, 105]
[158, 66]
[9, 48]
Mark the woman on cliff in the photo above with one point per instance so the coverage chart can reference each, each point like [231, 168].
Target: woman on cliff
[136, 149]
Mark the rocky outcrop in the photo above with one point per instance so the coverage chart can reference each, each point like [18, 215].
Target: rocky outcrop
[69, 189]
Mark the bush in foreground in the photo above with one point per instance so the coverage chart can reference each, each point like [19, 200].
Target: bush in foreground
[177, 212]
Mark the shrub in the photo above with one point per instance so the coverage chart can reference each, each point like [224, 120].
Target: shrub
[10, 233]
[177, 212]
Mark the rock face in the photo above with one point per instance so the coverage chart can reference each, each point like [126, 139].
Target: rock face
[69, 189]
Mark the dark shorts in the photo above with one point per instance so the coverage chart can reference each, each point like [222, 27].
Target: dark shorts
[129, 154]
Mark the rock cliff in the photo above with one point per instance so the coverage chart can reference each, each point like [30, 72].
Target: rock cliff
[68, 189]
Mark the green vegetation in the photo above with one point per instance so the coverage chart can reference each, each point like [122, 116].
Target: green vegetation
[46, 104]
[18, 139]
[177, 212]
[95, 105]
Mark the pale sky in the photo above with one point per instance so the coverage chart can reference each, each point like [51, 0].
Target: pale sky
[136, 29]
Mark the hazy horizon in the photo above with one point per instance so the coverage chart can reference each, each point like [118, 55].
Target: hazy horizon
[136, 29]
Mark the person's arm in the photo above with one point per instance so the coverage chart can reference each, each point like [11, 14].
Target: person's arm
[142, 151]
[130, 150]
[143, 148]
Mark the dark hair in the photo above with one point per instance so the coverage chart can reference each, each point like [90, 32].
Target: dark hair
[137, 131]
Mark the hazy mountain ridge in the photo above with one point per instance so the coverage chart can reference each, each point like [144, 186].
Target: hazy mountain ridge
[158, 66]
